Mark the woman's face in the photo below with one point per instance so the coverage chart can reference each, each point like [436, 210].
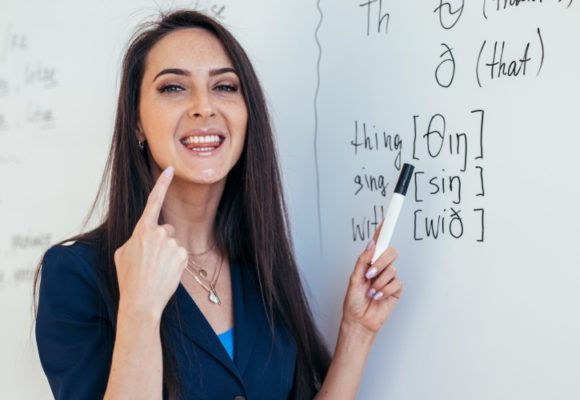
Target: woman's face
[191, 110]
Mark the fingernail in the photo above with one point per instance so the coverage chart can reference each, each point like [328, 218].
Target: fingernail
[371, 244]
[378, 295]
[371, 293]
[168, 172]
[371, 272]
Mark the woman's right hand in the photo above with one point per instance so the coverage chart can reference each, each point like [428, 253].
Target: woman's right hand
[150, 264]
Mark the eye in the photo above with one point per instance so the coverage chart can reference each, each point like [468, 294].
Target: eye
[170, 89]
[227, 87]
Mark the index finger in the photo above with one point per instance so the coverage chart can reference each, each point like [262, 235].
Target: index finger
[156, 197]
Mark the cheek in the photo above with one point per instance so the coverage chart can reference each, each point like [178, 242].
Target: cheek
[243, 126]
[240, 142]
[155, 116]
[239, 115]
[237, 121]
[244, 119]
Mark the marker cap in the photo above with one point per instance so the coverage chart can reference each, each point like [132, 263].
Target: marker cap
[404, 179]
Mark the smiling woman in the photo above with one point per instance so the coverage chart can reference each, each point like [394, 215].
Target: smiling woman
[191, 92]
[189, 287]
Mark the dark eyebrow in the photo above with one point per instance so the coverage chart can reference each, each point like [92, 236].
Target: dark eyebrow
[176, 71]
[184, 72]
[218, 71]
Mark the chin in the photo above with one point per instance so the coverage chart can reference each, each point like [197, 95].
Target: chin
[208, 176]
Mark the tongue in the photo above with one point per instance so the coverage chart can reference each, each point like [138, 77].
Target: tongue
[192, 146]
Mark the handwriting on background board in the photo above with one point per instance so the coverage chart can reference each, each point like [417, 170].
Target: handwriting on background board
[459, 150]
[433, 141]
[23, 79]
[27, 83]
[509, 5]
[210, 8]
[377, 19]
[495, 59]
[501, 65]
[24, 254]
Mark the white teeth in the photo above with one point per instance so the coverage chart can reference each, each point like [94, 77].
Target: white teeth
[202, 139]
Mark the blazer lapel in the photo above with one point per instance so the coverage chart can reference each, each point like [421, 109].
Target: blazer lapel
[193, 324]
[248, 315]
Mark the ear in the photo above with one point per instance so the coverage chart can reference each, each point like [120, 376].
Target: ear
[140, 135]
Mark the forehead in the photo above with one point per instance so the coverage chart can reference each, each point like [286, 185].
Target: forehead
[188, 48]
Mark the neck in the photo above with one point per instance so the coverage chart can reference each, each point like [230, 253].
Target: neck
[191, 209]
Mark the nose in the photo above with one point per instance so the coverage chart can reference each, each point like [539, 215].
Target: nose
[201, 105]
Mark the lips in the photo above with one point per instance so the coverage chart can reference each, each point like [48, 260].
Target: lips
[203, 140]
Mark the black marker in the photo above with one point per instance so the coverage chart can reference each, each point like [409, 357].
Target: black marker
[393, 211]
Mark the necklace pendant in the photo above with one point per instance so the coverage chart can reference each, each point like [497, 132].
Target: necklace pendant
[213, 297]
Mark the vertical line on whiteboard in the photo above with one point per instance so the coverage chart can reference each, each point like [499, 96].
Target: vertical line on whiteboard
[316, 122]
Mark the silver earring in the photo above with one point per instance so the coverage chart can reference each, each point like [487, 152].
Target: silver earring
[141, 145]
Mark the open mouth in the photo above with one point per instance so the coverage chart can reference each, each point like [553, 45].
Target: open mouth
[203, 143]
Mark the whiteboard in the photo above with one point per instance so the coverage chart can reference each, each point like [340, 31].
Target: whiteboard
[482, 98]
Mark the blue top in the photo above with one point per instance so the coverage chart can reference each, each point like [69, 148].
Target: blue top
[75, 334]
[227, 339]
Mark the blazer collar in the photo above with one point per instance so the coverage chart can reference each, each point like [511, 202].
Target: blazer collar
[248, 316]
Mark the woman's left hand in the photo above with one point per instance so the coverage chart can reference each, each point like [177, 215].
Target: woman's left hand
[363, 315]
[373, 291]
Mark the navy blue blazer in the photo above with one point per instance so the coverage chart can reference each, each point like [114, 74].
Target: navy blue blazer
[75, 336]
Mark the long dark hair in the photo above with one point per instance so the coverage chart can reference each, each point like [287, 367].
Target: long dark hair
[251, 215]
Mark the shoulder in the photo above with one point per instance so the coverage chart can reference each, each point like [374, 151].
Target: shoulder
[74, 331]
[69, 274]
[81, 250]
[70, 257]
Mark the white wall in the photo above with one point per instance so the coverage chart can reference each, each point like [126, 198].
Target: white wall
[491, 319]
